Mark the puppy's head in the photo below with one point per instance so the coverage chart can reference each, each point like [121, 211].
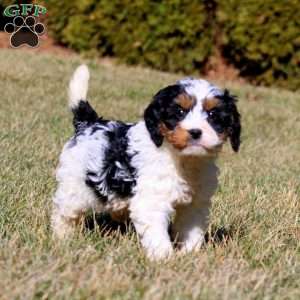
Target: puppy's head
[194, 116]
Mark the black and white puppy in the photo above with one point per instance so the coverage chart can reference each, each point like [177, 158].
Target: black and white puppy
[161, 165]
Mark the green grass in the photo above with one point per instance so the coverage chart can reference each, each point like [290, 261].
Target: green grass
[257, 202]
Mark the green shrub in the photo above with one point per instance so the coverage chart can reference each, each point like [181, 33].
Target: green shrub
[262, 38]
[58, 15]
[171, 35]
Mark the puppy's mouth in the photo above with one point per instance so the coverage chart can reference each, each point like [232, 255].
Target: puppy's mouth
[212, 150]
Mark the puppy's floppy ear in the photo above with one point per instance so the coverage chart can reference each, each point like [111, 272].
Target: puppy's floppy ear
[234, 130]
[157, 111]
[152, 119]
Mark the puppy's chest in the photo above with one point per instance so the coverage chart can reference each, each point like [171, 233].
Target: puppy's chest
[163, 180]
[188, 181]
[181, 191]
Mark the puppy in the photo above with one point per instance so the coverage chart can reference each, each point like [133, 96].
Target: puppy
[150, 170]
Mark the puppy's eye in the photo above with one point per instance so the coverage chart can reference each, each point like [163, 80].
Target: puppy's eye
[180, 111]
[211, 113]
[214, 115]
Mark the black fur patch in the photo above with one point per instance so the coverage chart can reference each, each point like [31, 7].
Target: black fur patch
[118, 176]
[163, 109]
[93, 184]
[225, 118]
[84, 116]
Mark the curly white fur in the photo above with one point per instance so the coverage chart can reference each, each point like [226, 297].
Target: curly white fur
[167, 183]
[78, 86]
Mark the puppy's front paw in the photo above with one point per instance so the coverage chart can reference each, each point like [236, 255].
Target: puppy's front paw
[160, 251]
[192, 245]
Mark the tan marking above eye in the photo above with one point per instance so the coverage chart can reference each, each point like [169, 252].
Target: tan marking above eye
[210, 103]
[178, 137]
[185, 101]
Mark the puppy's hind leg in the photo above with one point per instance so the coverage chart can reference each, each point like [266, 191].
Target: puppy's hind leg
[71, 201]
[63, 226]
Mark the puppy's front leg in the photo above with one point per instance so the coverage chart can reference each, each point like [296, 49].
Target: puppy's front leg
[190, 226]
[151, 221]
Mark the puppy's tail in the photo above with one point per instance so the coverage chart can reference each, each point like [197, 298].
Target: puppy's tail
[84, 114]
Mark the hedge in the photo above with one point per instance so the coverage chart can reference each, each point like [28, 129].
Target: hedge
[160, 34]
[261, 38]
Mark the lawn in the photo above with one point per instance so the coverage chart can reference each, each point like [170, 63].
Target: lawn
[253, 249]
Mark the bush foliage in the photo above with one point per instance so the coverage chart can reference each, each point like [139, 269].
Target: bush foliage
[162, 34]
[261, 38]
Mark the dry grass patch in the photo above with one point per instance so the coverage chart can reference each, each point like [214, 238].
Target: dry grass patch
[255, 212]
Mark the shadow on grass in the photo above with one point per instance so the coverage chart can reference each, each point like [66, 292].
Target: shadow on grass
[107, 225]
[218, 236]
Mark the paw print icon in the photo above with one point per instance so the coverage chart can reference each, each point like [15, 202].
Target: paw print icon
[24, 31]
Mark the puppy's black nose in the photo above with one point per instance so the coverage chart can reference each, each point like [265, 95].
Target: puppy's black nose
[195, 133]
